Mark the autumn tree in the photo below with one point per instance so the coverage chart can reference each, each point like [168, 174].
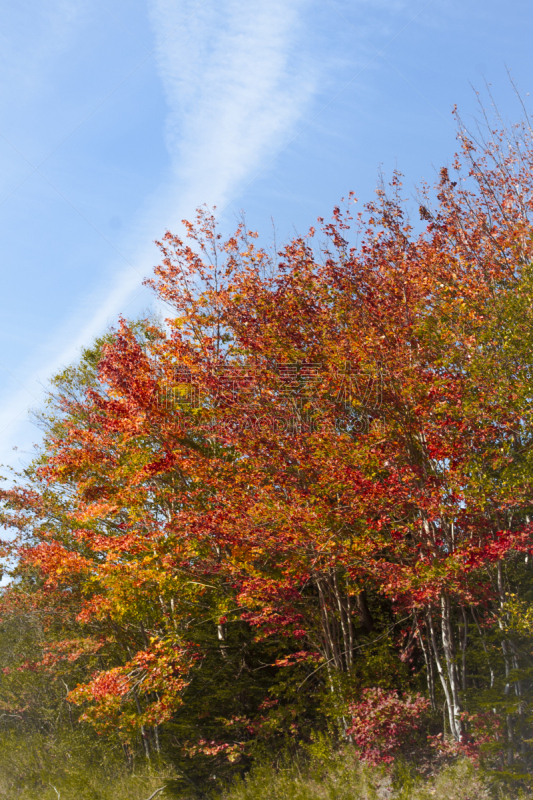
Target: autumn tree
[327, 448]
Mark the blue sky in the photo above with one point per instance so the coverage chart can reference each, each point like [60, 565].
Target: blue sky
[118, 118]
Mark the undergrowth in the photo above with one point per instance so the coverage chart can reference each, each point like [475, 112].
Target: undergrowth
[36, 768]
[340, 775]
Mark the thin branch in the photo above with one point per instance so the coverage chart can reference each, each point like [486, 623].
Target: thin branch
[156, 792]
[358, 647]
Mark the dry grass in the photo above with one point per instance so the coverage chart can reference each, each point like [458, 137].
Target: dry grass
[343, 777]
[37, 768]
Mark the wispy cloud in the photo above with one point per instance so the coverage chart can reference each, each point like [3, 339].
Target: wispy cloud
[235, 91]
[235, 87]
[26, 390]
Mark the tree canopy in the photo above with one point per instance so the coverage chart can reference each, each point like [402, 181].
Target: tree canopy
[306, 499]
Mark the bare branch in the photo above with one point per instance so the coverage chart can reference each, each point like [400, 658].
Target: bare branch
[156, 792]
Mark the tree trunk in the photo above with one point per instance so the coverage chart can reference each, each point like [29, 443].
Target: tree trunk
[451, 667]
[453, 710]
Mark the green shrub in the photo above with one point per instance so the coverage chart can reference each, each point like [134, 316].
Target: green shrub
[340, 775]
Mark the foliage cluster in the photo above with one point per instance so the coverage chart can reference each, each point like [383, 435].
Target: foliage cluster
[303, 503]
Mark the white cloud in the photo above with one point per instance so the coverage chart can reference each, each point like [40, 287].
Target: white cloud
[235, 91]
[234, 86]
[62, 349]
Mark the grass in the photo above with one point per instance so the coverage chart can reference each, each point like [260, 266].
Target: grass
[37, 768]
[341, 776]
